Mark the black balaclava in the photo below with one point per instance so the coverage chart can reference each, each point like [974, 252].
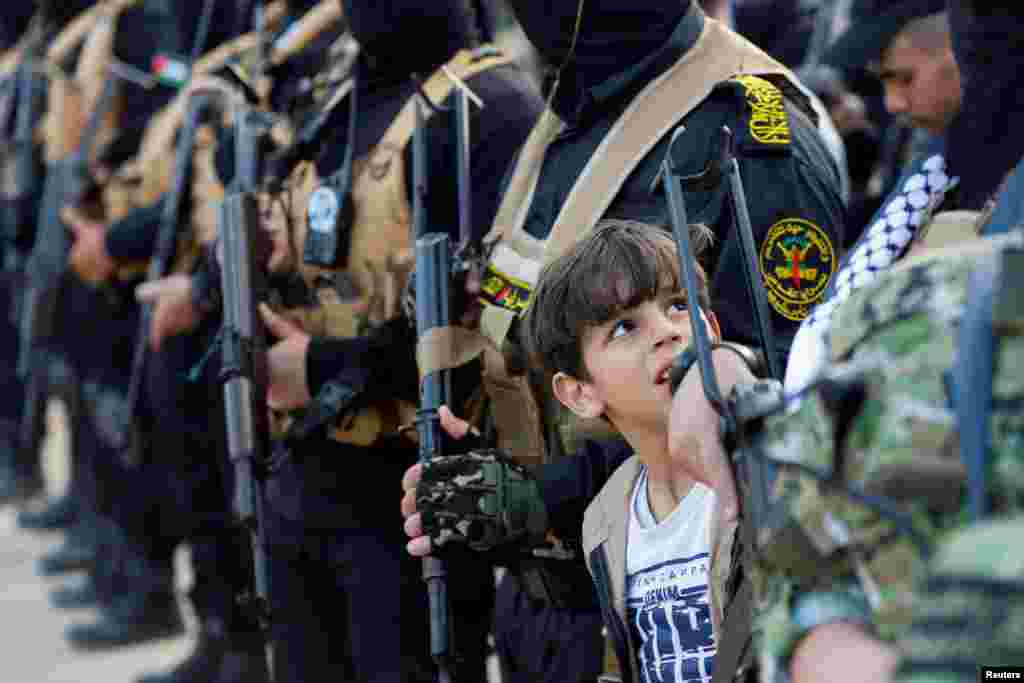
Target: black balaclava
[229, 19]
[61, 13]
[143, 32]
[403, 37]
[14, 20]
[613, 34]
[985, 140]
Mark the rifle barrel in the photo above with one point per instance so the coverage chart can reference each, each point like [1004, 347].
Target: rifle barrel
[687, 262]
[755, 287]
[433, 272]
[462, 166]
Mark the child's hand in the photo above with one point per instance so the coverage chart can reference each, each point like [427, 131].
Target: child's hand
[694, 440]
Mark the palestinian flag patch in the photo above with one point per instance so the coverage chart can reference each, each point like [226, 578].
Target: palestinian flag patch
[170, 70]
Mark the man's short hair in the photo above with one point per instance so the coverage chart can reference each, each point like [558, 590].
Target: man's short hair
[874, 24]
[619, 265]
[930, 33]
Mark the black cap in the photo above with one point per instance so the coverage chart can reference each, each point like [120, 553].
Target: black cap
[873, 25]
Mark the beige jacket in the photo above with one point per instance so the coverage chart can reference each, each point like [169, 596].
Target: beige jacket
[604, 542]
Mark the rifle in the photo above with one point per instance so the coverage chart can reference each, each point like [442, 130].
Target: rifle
[438, 271]
[243, 347]
[166, 240]
[67, 181]
[160, 263]
[742, 409]
[433, 291]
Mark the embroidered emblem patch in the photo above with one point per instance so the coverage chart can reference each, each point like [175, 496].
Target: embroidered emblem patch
[504, 291]
[797, 260]
[769, 123]
[323, 209]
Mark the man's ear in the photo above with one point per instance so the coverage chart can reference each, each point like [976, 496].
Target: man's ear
[577, 396]
[714, 328]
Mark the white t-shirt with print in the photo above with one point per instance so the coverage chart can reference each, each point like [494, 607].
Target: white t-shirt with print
[667, 601]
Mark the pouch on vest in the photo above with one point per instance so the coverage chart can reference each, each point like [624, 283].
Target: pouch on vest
[377, 253]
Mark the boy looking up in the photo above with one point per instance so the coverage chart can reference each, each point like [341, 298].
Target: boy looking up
[606, 320]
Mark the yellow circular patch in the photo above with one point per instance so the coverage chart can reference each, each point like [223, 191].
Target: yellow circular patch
[797, 260]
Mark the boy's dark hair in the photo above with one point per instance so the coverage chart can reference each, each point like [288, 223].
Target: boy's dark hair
[619, 265]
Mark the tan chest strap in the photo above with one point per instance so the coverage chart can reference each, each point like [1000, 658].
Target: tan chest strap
[517, 257]
[380, 254]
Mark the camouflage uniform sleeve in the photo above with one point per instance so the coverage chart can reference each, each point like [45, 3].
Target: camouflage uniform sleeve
[970, 606]
[799, 582]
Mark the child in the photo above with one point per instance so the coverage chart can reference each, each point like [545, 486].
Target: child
[606, 320]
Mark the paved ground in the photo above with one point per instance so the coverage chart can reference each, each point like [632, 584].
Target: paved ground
[32, 646]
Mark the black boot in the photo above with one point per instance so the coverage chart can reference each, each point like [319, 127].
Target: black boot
[130, 620]
[18, 483]
[218, 660]
[137, 605]
[245, 665]
[59, 514]
[17, 489]
[79, 550]
[81, 593]
[99, 586]
[71, 556]
[201, 666]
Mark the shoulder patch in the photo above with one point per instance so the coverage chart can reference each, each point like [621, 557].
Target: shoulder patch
[797, 260]
[504, 291]
[767, 122]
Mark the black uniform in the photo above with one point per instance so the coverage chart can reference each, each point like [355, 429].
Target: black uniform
[179, 491]
[333, 528]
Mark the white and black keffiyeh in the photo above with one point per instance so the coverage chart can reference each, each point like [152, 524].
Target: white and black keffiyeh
[881, 245]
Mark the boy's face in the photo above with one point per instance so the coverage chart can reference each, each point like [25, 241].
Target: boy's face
[628, 359]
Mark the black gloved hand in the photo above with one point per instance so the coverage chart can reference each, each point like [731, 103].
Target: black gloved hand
[483, 500]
